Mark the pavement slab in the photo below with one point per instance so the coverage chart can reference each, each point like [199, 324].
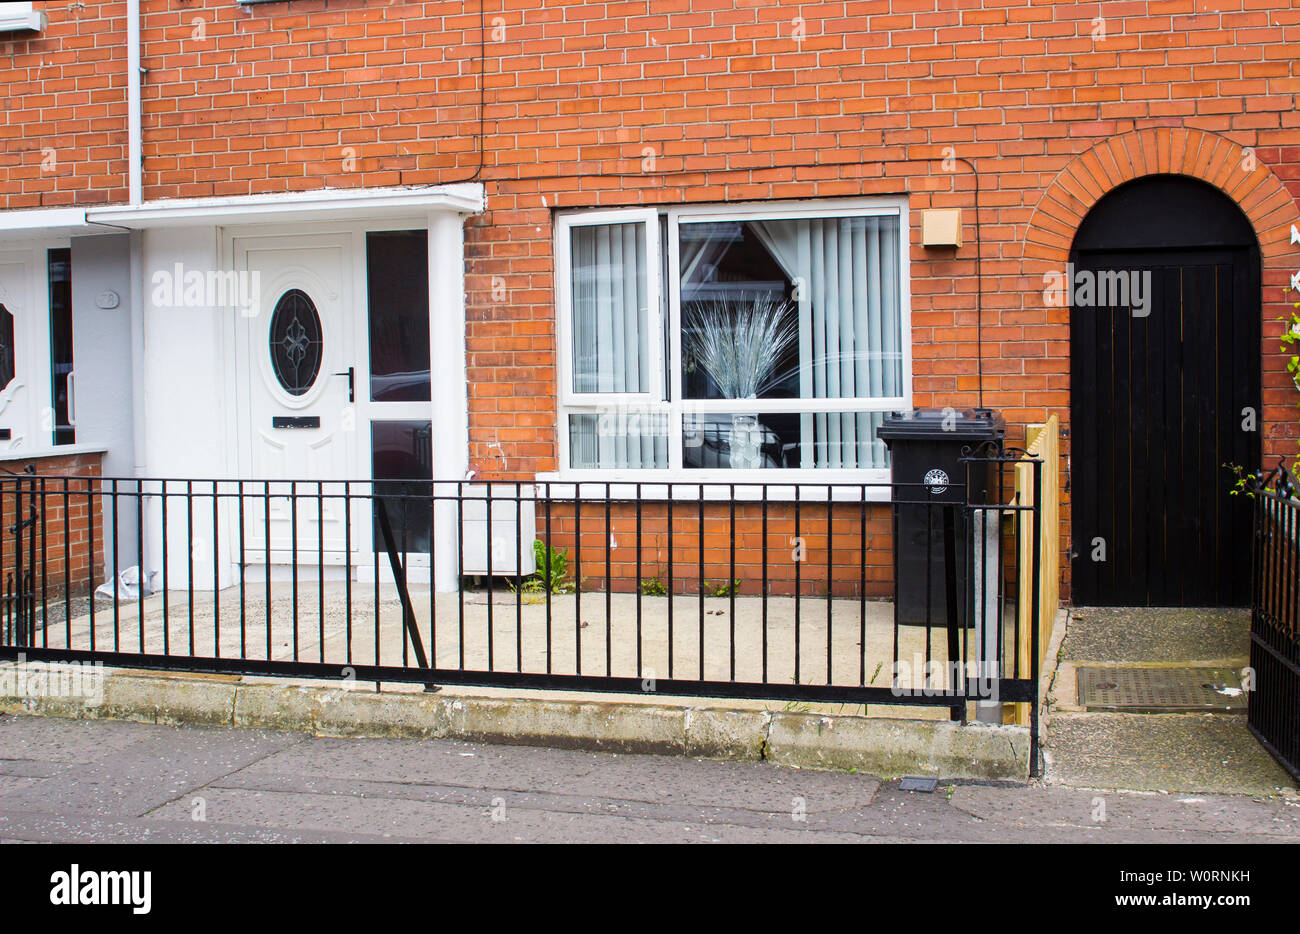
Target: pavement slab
[104, 781]
[398, 764]
[1206, 753]
[128, 771]
[1127, 811]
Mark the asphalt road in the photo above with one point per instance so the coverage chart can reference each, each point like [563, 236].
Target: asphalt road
[92, 781]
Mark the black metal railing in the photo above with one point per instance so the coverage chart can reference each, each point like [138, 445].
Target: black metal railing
[1274, 702]
[18, 617]
[777, 591]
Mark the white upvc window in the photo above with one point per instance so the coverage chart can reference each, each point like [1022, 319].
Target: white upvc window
[732, 343]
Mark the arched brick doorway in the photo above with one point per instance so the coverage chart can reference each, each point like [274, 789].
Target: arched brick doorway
[1165, 390]
[1239, 173]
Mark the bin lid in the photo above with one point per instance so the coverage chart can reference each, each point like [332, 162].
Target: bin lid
[947, 424]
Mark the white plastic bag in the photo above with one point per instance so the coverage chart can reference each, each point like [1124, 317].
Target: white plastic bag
[128, 585]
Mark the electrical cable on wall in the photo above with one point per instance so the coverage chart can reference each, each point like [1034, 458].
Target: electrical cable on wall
[975, 177]
[979, 240]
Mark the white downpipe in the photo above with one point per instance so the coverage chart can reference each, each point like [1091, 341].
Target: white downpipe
[135, 154]
[151, 519]
[135, 196]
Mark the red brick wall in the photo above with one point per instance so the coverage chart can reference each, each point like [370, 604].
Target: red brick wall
[794, 551]
[64, 133]
[57, 522]
[731, 100]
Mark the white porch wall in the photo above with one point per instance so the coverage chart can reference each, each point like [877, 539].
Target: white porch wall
[449, 389]
[189, 427]
[183, 406]
[188, 365]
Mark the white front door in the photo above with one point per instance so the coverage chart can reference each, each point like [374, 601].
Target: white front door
[297, 345]
[26, 417]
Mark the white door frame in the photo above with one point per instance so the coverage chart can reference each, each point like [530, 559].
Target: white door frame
[367, 411]
[27, 403]
[448, 411]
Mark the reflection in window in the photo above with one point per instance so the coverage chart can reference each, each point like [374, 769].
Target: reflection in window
[808, 308]
[60, 272]
[777, 440]
[402, 467]
[839, 278]
[397, 269]
[6, 347]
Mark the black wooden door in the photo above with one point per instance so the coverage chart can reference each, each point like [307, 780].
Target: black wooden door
[1159, 405]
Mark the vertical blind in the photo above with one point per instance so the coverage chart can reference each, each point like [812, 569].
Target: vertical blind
[846, 276]
[611, 298]
[611, 346]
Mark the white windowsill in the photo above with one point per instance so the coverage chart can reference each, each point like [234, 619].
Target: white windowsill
[716, 487]
[62, 450]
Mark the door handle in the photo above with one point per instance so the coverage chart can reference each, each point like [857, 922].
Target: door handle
[351, 374]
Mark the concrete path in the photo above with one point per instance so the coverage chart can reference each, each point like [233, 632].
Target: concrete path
[99, 781]
[1184, 752]
[1157, 635]
[835, 641]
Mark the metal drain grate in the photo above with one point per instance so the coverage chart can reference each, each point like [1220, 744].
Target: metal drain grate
[1159, 689]
[916, 783]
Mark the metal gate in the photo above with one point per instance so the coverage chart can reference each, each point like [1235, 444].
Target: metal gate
[18, 516]
[1274, 711]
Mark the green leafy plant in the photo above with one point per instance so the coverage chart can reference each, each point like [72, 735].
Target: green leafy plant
[722, 590]
[1290, 345]
[653, 587]
[557, 582]
[1240, 480]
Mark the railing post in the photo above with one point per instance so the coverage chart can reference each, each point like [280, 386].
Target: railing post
[18, 594]
[954, 620]
[1036, 564]
[22, 595]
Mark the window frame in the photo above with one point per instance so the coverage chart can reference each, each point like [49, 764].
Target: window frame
[569, 397]
[667, 310]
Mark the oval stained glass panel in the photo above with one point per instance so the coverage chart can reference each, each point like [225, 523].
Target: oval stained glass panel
[295, 339]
